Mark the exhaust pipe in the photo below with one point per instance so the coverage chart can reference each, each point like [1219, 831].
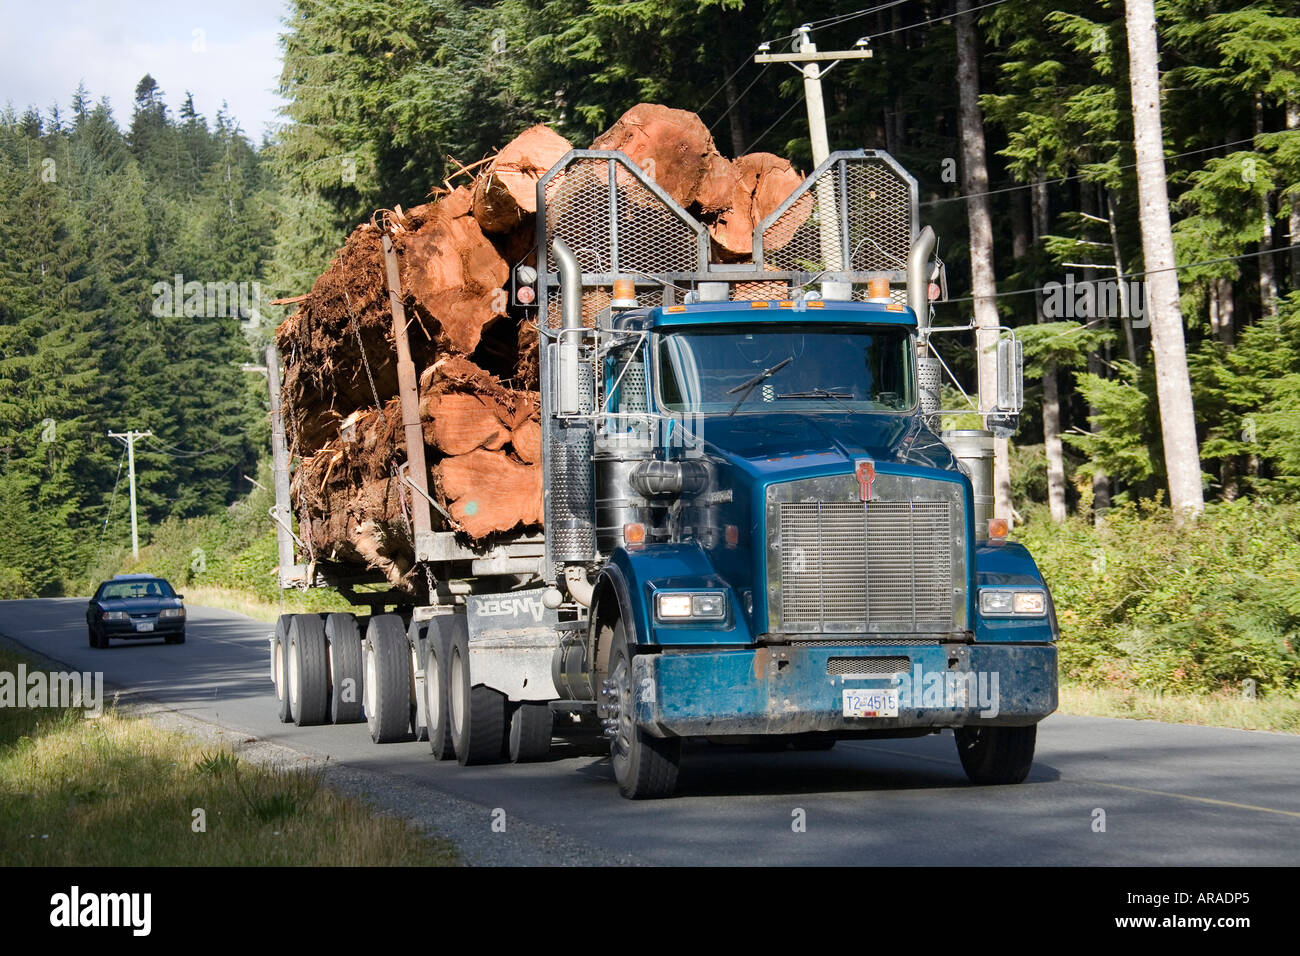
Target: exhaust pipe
[918, 280]
[568, 400]
[571, 504]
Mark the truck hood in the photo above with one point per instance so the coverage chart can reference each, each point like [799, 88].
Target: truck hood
[771, 445]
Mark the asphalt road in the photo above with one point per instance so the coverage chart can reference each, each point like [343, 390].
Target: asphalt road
[1171, 795]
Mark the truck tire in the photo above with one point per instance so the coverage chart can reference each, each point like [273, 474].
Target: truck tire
[437, 657]
[309, 693]
[388, 679]
[645, 767]
[996, 755]
[280, 667]
[415, 637]
[529, 737]
[346, 669]
[477, 714]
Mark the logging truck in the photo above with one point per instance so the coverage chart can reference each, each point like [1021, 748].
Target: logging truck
[756, 528]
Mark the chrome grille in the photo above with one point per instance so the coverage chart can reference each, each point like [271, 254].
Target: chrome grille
[895, 565]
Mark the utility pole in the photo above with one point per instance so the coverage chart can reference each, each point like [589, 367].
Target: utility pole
[807, 60]
[129, 438]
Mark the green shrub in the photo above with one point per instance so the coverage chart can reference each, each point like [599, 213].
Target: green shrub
[1193, 609]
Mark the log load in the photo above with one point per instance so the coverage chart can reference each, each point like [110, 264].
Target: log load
[478, 365]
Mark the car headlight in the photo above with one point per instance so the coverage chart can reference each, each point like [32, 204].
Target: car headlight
[691, 605]
[171, 612]
[115, 616]
[1013, 603]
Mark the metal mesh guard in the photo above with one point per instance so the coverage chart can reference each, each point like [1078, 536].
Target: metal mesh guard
[624, 230]
[814, 235]
[868, 665]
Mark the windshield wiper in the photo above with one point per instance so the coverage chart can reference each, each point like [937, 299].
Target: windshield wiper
[748, 387]
[821, 393]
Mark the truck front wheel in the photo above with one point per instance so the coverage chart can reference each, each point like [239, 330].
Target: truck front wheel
[644, 766]
[996, 755]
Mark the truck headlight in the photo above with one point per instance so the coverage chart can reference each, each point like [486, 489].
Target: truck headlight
[691, 605]
[1013, 603]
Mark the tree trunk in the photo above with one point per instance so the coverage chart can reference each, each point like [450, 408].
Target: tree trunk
[1267, 272]
[1053, 448]
[1126, 305]
[975, 183]
[735, 118]
[1221, 310]
[1173, 386]
[1293, 122]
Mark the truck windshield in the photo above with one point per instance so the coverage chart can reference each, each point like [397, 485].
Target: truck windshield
[787, 367]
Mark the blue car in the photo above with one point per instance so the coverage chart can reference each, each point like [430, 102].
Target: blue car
[133, 607]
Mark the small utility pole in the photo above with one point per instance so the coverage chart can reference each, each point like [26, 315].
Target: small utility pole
[129, 438]
[807, 60]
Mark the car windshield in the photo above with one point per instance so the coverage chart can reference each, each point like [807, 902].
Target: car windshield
[125, 590]
[809, 367]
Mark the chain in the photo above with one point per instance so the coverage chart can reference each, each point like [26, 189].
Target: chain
[356, 328]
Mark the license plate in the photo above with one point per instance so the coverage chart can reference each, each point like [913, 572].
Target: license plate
[870, 703]
[144, 626]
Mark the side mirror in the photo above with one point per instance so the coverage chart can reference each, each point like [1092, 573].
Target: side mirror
[1011, 376]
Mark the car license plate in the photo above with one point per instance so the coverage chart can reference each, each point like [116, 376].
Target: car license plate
[861, 702]
[144, 626]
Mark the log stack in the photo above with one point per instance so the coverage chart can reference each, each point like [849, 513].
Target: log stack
[478, 364]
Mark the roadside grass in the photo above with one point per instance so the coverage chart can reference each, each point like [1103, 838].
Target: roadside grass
[119, 791]
[1221, 709]
[259, 608]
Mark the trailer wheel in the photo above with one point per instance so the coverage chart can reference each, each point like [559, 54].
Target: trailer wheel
[280, 667]
[530, 732]
[415, 636]
[437, 656]
[309, 696]
[996, 755]
[644, 766]
[346, 669]
[477, 714]
[388, 679]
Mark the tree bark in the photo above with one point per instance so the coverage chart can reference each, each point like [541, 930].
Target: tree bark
[1173, 386]
[1053, 448]
[1293, 123]
[1267, 271]
[975, 183]
[1126, 306]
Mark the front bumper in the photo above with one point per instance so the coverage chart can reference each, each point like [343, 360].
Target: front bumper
[799, 689]
[126, 630]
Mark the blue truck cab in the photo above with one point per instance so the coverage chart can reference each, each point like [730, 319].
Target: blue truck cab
[806, 563]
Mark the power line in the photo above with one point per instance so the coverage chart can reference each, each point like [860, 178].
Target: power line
[740, 97]
[721, 86]
[176, 452]
[925, 23]
[1057, 180]
[846, 17]
[1134, 275]
[791, 109]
